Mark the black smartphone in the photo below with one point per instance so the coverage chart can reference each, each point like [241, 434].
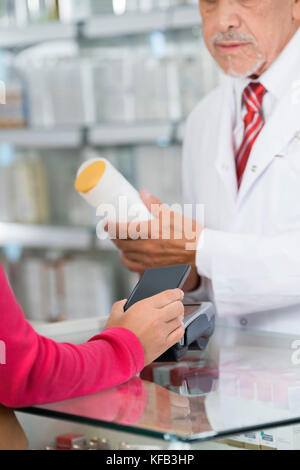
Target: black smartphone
[157, 280]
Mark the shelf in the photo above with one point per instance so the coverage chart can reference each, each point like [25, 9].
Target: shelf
[102, 26]
[158, 133]
[42, 138]
[139, 23]
[131, 134]
[33, 34]
[131, 23]
[43, 237]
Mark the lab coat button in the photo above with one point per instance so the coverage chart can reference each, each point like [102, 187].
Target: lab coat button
[244, 321]
[254, 168]
[297, 135]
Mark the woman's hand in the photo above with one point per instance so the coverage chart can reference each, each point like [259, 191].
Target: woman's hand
[156, 321]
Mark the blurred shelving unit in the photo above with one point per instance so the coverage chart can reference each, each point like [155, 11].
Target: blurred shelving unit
[98, 27]
[157, 133]
[51, 237]
[21, 37]
[42, 138]
[129, 24]
[104, 29]
[110, 25]
[102, 26]
[131, 134]
[184, 17]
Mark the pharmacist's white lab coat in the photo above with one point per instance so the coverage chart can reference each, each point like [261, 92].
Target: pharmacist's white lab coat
[250, 257]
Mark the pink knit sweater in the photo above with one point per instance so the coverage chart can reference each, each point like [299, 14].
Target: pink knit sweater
[39, 370]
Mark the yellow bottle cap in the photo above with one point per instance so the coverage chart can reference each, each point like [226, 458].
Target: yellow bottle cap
[90, 177]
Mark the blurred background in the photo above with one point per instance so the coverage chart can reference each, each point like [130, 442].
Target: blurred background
[85, 78]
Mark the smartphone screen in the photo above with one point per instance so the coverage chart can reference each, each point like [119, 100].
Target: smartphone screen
[157, 280]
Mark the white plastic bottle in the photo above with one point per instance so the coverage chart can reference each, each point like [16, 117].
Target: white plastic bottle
[104, 188]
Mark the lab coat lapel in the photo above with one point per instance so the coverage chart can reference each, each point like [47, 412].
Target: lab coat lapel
[225, 161]
[276, 134]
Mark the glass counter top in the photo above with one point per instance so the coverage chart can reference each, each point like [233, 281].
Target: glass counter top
[244, 381]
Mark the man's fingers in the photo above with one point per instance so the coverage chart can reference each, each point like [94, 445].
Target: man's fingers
[161, 211]
[132, 231]
[136, 247]
[117, 230]
[132, 265]
[167, 297]
[139, 256]
[144, 230]
[123, 245]
[149, 200]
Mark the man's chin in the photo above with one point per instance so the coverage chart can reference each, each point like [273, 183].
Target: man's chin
[246, 72]
[239, 74]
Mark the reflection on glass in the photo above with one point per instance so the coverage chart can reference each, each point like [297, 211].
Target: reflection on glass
[244, 380]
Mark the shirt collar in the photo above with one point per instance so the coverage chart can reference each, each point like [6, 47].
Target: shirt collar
[278, 77]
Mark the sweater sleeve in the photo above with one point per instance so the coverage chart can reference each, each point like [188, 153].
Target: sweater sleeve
[37, 370]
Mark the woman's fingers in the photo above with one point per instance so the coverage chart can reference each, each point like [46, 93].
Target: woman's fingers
[167, 297]
[175, 336]
[173, 311]
[173, 325]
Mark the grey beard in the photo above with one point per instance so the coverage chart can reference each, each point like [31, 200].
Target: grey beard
[249, 73]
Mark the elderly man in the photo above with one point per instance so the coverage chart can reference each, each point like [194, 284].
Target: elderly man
[242, 163]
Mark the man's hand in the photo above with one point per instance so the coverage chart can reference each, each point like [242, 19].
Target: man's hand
[156, 321]
[193, 282]
[166, 240]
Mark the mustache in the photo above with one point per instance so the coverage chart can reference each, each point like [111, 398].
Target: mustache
[232, 36]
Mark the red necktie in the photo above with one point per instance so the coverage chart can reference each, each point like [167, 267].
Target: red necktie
[253, 121]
